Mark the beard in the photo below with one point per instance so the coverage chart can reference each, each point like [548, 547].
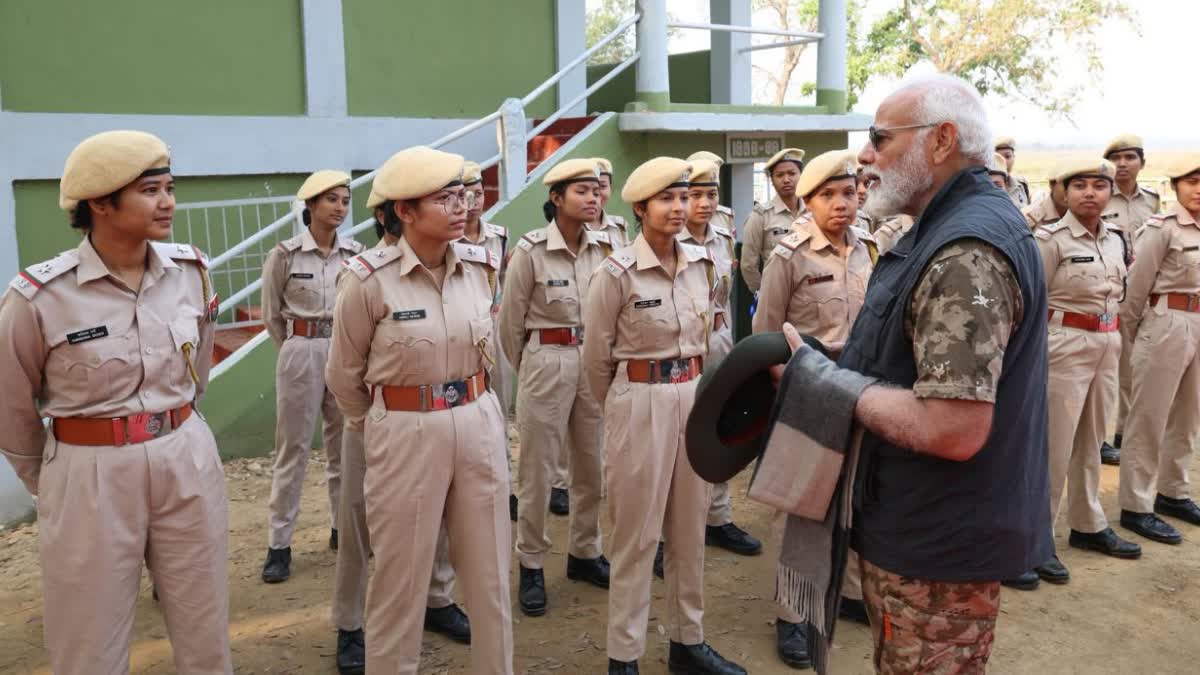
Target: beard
[898, 185]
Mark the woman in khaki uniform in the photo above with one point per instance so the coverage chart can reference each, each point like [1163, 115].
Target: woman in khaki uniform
[816, 280]
[771, 222]
[541, 329]
[648, 317]
[615, 226]
[1162, 311]
[411, 351]
[113, 341]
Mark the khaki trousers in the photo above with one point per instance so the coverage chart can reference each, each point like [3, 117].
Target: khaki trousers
[554, 405]
[720, 509]
[102, 513]
[354, 543]
[651, 489]
[421, 468]
[851, 581]
[1125, 382]
[1164, 408]
[300, 396]
[1082, 393]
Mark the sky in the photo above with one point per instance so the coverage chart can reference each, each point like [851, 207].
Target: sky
[1132, 95]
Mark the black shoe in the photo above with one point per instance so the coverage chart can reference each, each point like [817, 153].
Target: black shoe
[560, 502]
[512, 508]
[1053, 571]
[1110, 455]
[854, 611]
[1106, 542]
[1184, 509]
[154, 592]
[532, 594]
[333, 539]
[1150, 526]
[791, 641]
[592, 570]
[450, 621]
[658, 562]
[732, 538]
[616, 667]
[699, 660]
[1024, 582]
[278, 566]
[351, 652]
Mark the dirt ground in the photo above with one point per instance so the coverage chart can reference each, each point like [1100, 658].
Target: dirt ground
[1114, 617]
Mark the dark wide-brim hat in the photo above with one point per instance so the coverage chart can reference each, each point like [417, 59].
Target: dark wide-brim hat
[729, 421]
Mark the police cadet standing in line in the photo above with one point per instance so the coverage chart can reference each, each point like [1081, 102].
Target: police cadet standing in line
[723, 216]
[298, 293]
[354, 546]
[1084, 263]
[772, 222]
[648, 319]
[113, 341]
[541, 327]
[615, 226]
[1051, 207]
[1018, 187]
[816, 280]
[495, 239]
[1162, 307]
[998, 173]
[411, 349]
[1131, 206]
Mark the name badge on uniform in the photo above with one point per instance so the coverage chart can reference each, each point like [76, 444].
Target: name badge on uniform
[408, 315]
[647, 304]
[302, 275]
[1109, 216]
[1083, 258]
[87, 334]
[557, 283]
[820, 280]
[1191, 248]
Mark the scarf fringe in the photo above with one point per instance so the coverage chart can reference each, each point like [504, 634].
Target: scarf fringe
[801, 596]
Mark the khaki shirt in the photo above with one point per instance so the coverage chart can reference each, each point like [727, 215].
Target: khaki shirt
[495, 239]
[889, 230]
[762, 231]
[75, 341]
[300, 283]
[1126, 214]
[718, 242]
[809, 284]
[1018, 190]
[724, 218]
[1085, 274]
[397, 323]
[635, 310]
[547, 285]
[1167, 252]
[615, 226]
[1041, 212]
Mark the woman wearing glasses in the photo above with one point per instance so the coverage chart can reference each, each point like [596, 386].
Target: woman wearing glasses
[648, 315]
[412, 347]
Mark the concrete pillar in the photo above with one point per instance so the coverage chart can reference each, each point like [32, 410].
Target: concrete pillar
[324, 58]
[513, 157]
[570, 40]
[831, 55]
[653, 81]
[730, 80]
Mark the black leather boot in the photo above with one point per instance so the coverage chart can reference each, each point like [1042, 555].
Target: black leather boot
[278, 566]
[591, 570]
[700, 660]
[351, 652]
[450, 621]
[532, 594]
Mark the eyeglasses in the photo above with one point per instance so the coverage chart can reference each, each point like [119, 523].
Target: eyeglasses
[877, 135]
[450, 202]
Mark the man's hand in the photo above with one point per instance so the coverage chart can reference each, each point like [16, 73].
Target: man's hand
[794, 341]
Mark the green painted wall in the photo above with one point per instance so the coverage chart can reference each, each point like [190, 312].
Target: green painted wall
[402, 62]
[240, 405]
[218, 57]
[689, 83]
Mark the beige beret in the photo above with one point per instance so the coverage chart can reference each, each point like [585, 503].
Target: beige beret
[1006, 142]
[1183, 166]
[825, 167]
[1123, 142]
[374, 199]
[789, 154]
[654, 176]
[705, 171]
[321, 181]
[605, 165]
[416, 172]
[472, 174]
[998, 165]
[107, 162]
[708, 156]
[573, 170]
[1085, 167]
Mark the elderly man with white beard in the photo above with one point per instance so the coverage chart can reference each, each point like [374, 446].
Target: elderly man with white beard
[945, 370]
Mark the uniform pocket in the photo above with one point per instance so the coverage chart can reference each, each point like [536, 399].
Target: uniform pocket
[100, 365]
[651, 322]
[560, 294]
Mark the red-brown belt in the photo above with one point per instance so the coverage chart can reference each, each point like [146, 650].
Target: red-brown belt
[1102, 323]
[557, 336]
[1180, 301]
[665, 371]
[312, 329]
[118, 431]
[427, 397]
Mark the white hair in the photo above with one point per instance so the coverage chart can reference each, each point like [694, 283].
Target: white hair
[945, 98]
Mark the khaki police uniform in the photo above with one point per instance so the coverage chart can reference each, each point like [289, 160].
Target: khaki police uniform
[411, 350]
[1085, 281]
[762, 231]
[889, 230]
[615, 226]
[1161, 313]
[541, 328]
[1041, 213]
[1018, 187]
[298, 295]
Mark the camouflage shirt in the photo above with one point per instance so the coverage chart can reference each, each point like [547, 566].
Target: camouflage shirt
[962, 313]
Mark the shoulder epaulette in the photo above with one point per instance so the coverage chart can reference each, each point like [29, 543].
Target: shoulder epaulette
[365, 264]
[788, 245]
[181, 252]
[619, 221]
[760, 208]
[598, 237]
[1045, 232]
[1156, 220]
[496, 230]
[532, 238]
[862, 234]
[290, 244]
[349, 244]
[31, 279]
[722, 231]
[695, 253]
[476, 254]
[1149, 191]
[618, 262]
[721, 208]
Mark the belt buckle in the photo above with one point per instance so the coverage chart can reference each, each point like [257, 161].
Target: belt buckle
[449, 395]
[1193, 303]
[576, 335]
[325, 329]
[144, 427]
[677, 374]
[1106, 322]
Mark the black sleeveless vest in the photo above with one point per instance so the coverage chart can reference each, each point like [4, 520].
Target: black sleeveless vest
[987, 518]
